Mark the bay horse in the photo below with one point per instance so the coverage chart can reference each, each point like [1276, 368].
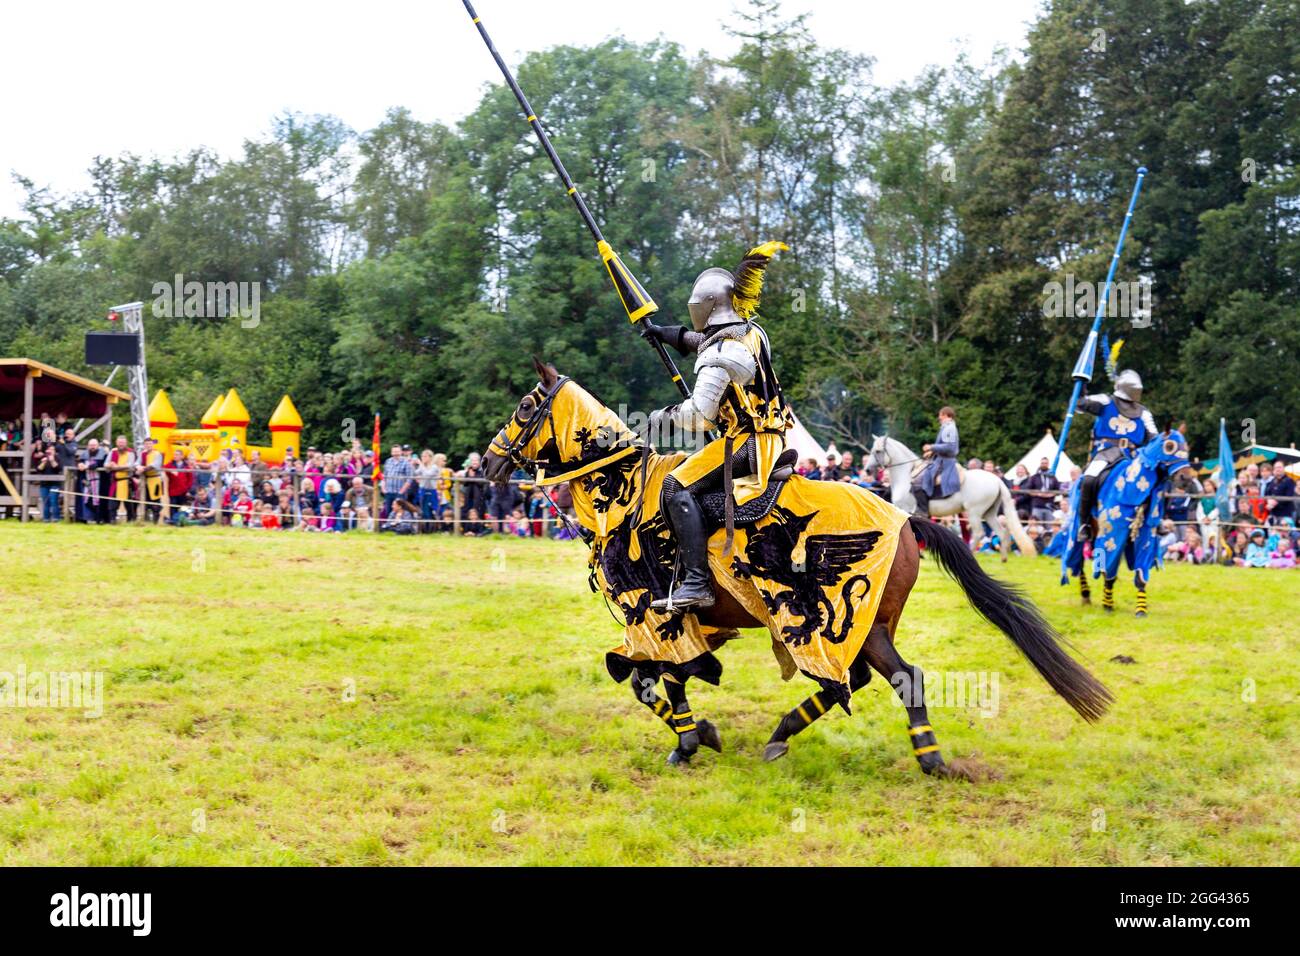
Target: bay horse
[827, 569]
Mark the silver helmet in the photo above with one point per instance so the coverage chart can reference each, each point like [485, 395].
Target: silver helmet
[710, 302]
[1128, 385]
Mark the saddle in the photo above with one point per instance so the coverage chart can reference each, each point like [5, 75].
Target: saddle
[714, 503]
[922, 463]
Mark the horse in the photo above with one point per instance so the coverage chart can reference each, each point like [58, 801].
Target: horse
[1126, 518]
[826, 568]
[982, 494]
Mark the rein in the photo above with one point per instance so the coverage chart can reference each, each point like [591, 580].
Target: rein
[513, 450]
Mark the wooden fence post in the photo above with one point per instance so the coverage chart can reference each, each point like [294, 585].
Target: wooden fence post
[455, 504]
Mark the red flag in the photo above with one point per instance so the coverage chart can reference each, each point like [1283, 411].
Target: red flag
[375, 475]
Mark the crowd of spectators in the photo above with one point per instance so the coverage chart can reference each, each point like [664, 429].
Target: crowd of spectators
[320, 491]
[335, 492]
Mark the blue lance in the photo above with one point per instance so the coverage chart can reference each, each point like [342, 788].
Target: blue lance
[1088, 355]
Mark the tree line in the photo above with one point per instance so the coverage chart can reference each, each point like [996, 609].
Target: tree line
[415, 267]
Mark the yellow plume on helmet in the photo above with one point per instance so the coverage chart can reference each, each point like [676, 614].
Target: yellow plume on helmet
[749, 278]
[1112, 360]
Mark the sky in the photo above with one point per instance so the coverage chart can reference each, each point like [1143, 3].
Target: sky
[160, 78]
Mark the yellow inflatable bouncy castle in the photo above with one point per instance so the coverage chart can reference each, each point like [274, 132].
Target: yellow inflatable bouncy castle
[224, 425]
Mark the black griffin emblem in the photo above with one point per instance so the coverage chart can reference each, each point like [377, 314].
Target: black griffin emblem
[830, 559]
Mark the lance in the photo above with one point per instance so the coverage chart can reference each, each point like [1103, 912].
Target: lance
[636, 301]
[1083, 367]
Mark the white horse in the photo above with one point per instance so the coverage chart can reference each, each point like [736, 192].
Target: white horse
[981, 494]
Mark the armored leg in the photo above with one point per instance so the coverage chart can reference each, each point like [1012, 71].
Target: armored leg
[922, 497]
[1087, 501]
[694, 591]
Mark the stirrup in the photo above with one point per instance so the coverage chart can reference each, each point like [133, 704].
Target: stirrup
[672, 604]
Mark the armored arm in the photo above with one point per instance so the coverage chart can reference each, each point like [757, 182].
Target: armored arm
[685, 341]
[1093, 404]
[728, 362]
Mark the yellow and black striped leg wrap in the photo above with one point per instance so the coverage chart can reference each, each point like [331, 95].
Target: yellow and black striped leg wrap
[802, 716]
[1108, 595]
[1085, 592]
[682, 721]
[663, 710]
[1141, 610]
[925, 747]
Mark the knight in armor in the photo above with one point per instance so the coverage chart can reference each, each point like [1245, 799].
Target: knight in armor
[1122, 424]
[939, 478]
[737, 393]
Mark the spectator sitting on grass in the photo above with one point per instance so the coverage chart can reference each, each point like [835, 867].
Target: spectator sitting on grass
[309, 520]
[517, 524]
[363, 522]
[202, 511]
[401, 518]
[242, 510]
[328, 522]
[1256, 555]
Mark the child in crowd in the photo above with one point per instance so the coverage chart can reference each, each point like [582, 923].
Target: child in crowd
[517, 524]
[1256, 555]
[242, 511]
[1282, 554]
[1168, 538]
[327, 520]
[1189, 549]
[309, 520]
[363, 522]
[539, 509]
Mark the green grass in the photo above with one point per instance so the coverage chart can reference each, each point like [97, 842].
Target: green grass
[311, 699]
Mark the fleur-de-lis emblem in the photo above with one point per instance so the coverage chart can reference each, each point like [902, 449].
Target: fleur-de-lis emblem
[1121, 425]
[1143, 484]
[1110, 544]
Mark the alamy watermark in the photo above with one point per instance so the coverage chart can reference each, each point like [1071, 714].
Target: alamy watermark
[658, 430]
[1125, 300]
[74, 689]
[979, 690]
[208, 300]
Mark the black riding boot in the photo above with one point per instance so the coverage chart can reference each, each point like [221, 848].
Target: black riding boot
[922, 501]
[1087, 501]
[693, 591]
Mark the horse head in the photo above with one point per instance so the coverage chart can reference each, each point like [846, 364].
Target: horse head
[1166, 457]
[557, 432]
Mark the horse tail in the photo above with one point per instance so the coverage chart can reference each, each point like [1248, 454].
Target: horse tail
[1008, 609]
[1012, 520]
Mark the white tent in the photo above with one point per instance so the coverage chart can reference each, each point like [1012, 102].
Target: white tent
[802, 441]
[1046, 448]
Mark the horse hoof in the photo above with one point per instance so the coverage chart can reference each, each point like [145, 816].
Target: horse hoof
[1087, 601]
[678, 759]
[932, 765]
[1108, 610]
[1139, 613]
[775, 750]
[709, 735]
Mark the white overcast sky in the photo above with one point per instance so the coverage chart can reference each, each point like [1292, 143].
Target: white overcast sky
[158, 78]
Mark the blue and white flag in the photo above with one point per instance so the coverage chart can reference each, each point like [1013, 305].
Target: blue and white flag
[1223, 497]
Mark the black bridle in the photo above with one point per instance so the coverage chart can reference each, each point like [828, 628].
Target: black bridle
[513, 451]
[528, 430]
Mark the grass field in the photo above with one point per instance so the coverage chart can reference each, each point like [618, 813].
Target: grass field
[296, 699]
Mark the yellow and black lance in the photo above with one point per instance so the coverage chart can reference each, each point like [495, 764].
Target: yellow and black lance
[635, 299]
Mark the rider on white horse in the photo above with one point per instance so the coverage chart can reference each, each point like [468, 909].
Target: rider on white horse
[940, 475]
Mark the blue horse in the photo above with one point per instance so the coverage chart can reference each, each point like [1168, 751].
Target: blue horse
[1128, 512]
